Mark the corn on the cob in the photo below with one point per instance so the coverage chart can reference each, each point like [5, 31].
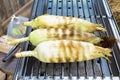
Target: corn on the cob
[41, 35]
[62, 51]
[52, 21]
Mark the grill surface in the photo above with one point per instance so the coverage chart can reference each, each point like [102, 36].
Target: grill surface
[96, 11]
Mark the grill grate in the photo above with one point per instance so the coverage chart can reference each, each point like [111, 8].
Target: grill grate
[96, 11]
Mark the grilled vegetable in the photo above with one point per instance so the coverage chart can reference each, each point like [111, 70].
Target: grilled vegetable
[52, 21]
[41, 35]
[62, 51]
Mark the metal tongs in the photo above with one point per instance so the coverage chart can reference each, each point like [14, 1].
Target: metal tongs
[15, 21]
[11, 53]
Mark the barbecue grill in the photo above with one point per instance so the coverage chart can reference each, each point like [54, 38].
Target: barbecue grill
[96, 11]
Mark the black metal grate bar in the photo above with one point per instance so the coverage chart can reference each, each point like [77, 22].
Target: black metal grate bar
[96, 11]
[53, 71]
[78, 72]
[93, 68]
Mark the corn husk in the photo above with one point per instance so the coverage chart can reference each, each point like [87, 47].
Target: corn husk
[62, 51]
[52, 21]
[41, 35]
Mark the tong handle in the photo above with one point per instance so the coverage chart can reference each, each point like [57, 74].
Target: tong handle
[11, 53]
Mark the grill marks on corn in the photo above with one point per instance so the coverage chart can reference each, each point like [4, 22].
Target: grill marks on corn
[71, 49]
[68, 52]
[67, 22]
[58, 33]
[72, 32]
[77, 53]
[66, 34]
[62, 52]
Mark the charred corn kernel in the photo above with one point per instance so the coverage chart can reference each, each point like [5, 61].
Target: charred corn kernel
[41, 35]
[52, 21]
[62, 51]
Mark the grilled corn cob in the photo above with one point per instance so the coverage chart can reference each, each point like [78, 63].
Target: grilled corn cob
[52, 21]
[40, 35]
[62, 51]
